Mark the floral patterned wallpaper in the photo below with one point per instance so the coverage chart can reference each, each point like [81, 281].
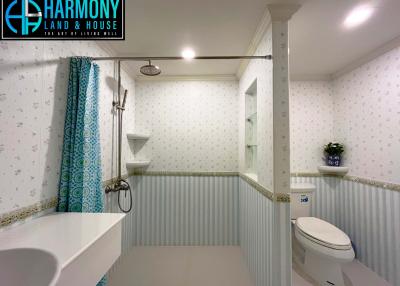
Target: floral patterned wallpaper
[193, 125]
[311, 123]
[367, 118]
[262, 71]
[33, 84]
[360, 109]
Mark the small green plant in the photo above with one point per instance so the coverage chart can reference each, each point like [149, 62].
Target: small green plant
[334, 148]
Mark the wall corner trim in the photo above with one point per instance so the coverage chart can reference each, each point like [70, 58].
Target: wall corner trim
[310, 77]
[261, 29]
[387, 47]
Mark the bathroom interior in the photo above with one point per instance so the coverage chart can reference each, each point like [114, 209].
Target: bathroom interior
[211, 156]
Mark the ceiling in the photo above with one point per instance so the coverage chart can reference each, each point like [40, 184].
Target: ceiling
[210, 27]
[319, 44]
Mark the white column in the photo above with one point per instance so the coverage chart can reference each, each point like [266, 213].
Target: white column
[282, 253]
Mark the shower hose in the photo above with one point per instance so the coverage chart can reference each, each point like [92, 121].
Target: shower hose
[128, 188]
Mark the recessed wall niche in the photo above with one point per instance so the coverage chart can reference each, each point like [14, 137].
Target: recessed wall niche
[251, 130]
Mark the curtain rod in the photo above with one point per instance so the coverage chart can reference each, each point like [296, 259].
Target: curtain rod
[267, 57]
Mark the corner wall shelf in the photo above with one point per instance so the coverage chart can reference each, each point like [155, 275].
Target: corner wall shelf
[138, 164]
[137, 136]
[341, 171]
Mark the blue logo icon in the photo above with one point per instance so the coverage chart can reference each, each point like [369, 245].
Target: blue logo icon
[23, 16]
[62, 19]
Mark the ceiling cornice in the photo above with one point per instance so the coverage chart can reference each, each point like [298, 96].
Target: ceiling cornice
[187, 78]
[310, 77]
[258, 35]
[282, 11]
[387, 47]
[106, 47]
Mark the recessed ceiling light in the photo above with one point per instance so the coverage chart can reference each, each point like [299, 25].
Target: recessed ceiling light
[358, 15]
[188, 54]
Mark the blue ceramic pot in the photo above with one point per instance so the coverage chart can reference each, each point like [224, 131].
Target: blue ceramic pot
[333, 160]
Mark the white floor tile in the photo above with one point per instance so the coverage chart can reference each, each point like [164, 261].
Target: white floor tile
[208, 266]
[182, 266]
[356, 272]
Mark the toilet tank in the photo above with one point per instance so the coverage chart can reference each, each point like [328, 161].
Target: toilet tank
[300, 199]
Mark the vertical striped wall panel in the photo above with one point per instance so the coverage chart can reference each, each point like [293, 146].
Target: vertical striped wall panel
[369, 215]
[256, 227]
[182, 210]
[282, 245]
[111, 205]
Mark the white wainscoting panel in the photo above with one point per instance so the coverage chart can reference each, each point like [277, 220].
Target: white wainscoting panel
[256, 226]
[370, 216]
[182, 210]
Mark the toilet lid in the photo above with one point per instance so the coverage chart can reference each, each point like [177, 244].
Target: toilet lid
[323, 231]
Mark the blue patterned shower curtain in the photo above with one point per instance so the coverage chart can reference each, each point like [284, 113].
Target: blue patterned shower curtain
[80, 188]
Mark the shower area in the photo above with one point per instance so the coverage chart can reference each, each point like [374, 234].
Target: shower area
[193, 214]
[193, 218]
[195, 172]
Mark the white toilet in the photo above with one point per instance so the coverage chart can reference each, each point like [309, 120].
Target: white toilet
[319, 248]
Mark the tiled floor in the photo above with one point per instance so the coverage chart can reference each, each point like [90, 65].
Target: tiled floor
[356, 274]
[208, 266]
[182, 266]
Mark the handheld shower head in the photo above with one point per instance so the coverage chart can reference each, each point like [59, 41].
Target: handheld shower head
[124, 100]
[150, 70]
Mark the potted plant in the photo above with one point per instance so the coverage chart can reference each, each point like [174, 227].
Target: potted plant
[333, 152]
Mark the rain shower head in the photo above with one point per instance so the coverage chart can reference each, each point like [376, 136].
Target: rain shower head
[150, 70]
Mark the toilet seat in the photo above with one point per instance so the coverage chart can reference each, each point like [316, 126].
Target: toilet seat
[337, 253]
[322, 233]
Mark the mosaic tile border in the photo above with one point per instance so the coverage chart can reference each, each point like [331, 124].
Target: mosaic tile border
[171, 173]
[300, 174]
[12, 217]
[379, 184]
[275, 197]
[278, 197]
[264, 191]
[282, 198]
[9, 218]
[189, 174]
[370, 182]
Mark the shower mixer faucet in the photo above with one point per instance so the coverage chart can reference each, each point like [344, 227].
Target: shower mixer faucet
[120, 184]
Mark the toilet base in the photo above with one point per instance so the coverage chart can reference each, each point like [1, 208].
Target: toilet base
[326, 272]
[320, 264]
